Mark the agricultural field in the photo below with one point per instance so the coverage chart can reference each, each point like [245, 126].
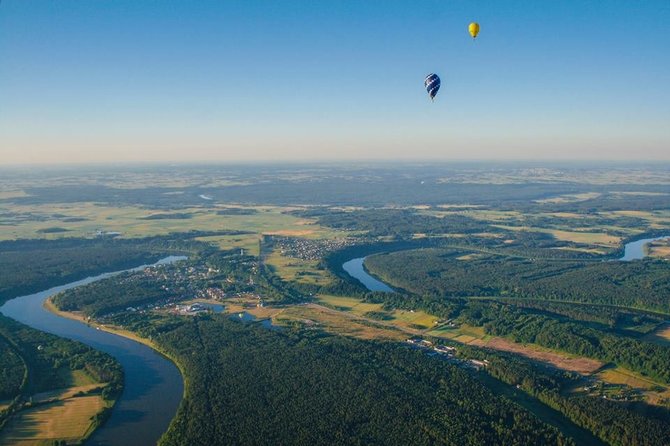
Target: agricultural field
[581, 237]
[248, 242]
[51, 221]
[69, 387]
[68, 419]
[651, 391]
[570, 198]
[659, 249]
[298, 270]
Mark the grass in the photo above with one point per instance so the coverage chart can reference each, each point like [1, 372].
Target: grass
[69, 420]
[570, 198]
[659, 249]
[653, 392]
[583, 237]
[338, 323]
[297, 270]
[351, 304]
[6, 194]
[248, 242]
[404, 319]
[57, 414]
[130, 222]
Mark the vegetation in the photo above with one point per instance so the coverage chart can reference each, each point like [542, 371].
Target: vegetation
[440, 272]
[506, 320]
[487, 253]
[614, 422]
[33, 265]
[269, 387]
[48, 378]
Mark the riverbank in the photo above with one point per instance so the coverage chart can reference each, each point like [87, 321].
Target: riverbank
[79, 317]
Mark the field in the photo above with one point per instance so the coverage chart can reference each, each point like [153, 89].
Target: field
[338, 323]
[659, 249]
[88, 219]
[653, 392]
[67, 419]
[570, 198]
[401, 318]
[587, 238]
[297, 270]
[411, 321]
[248, 242]
[59, 414]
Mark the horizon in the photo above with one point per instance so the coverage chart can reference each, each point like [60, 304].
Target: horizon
[171, 82]
[343, 162]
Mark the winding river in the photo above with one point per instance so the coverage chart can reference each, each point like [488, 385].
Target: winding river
[153, 385]
[356, 267]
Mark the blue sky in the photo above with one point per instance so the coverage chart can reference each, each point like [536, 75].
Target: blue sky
[167, 80]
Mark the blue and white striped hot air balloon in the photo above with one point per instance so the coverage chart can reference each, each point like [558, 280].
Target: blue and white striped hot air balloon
[432, 84]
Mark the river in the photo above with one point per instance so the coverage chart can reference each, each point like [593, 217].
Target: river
[153, 386]
[356, 269]
[635, 250]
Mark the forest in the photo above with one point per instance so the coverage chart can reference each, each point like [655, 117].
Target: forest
[294, 387]
[643, 284]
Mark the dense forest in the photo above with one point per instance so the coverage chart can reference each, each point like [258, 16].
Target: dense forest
[643, 284]
[283, 387]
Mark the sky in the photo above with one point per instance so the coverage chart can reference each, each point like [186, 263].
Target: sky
[195, 80]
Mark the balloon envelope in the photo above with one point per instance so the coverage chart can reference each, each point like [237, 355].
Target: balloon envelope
[474, 29]
[432, 84]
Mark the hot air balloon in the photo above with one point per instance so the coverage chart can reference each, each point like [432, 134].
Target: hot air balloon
[432, 84]
[474, 29]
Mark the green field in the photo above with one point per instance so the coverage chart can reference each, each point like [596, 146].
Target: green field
[298, 270]
[86, 219]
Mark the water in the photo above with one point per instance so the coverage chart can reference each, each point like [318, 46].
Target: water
[355, 269]
[216, 308]
[635, 250]
[153, 386]
[248, 317]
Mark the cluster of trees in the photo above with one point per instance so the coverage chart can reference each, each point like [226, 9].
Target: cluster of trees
[46, 354]
[109, 295]
[624, 320]
[443, 272]
[250, 385]
[506, 320]
[12, 370]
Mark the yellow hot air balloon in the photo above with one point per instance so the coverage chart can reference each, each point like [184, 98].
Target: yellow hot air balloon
[474, 29]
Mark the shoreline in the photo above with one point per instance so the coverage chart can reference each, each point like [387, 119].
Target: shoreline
[49, 306]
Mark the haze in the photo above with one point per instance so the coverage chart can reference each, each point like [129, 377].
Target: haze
[122, 81]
